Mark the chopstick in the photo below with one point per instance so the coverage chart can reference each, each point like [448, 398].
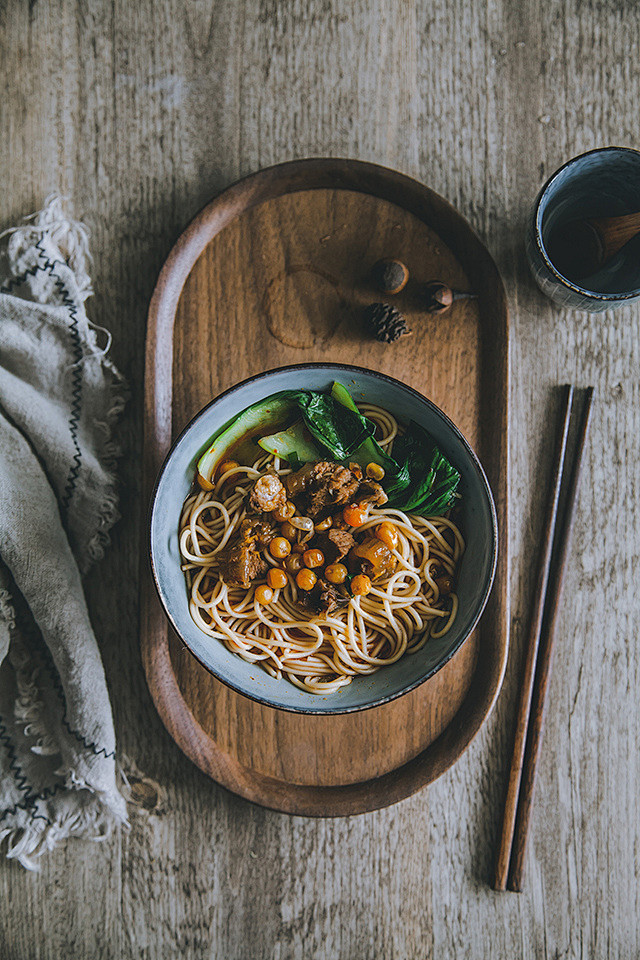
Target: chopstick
[531, 707]
[526, 690]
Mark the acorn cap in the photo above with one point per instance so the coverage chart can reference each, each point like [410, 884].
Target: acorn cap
[390, 276]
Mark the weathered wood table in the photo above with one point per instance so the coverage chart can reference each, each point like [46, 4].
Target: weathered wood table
[141, 111]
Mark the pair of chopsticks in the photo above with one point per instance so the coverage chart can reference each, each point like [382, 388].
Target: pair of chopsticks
[530, 717]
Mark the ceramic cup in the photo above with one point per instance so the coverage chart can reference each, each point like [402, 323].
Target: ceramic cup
[601, 183]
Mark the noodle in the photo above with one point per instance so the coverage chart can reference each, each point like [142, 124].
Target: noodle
[319, 653]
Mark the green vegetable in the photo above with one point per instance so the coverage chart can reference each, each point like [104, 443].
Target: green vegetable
[442, 493]
[293, 442]
[339, 430]
[342, 395]
[433, 479]
[418, 477]
[262, 414]
[370, 450]
[396, 476]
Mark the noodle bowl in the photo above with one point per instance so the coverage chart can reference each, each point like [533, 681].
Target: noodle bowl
[319, 653]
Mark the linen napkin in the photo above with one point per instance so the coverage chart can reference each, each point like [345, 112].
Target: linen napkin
[60, 397]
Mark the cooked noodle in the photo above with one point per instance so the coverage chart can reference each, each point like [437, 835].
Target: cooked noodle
[324, 652]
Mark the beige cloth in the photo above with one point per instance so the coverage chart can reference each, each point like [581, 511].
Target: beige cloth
[59, 399]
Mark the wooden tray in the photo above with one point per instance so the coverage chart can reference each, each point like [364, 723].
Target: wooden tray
[275, 271]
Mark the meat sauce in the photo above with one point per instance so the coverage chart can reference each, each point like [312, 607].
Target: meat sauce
[320, 491]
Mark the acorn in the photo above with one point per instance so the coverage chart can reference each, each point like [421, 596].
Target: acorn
[386, 322]
[439, 297]
[390, 276]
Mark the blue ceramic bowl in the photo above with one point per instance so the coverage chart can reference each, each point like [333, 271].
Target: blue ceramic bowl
[477, 522]
[601, 183]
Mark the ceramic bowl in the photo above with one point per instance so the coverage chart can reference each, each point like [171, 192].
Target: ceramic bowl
[600, 183]
[477, 522]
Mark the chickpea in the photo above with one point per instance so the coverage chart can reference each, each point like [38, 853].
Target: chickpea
[293, 564]
[298, 547]
[303, 523]
[306, 579]
[279, 548]
[355, 514]
[264, 594]
[225, 466]
[387, 532]
[375, 471]
[336, 573]
[313, 558]
[360, 585]
[277, 578]
[324, 525]
[284, 513]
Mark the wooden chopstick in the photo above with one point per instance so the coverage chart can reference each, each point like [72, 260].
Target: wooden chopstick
[543, 667]
[530, 717]
[531, 648]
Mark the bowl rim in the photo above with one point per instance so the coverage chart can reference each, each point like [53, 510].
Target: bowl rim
[537, 223]
[328, 710]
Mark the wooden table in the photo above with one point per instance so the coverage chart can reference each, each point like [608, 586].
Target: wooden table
[141, 111]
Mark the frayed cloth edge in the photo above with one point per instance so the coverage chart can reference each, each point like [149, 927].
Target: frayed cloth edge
[108, 453]
[95, 821]
[69, 236]
[7, 612]
[29, 706]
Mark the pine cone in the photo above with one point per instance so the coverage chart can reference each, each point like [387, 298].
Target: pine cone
[386, 322]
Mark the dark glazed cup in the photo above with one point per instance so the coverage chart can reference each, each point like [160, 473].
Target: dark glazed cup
[601, 183]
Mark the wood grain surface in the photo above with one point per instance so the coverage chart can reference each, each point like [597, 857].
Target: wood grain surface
[277, 269]
[141, 112]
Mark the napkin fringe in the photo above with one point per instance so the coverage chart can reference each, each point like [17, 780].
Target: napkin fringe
[7, 612]
[29, 708]
[70, 237]
[91, 822]
[109, 454]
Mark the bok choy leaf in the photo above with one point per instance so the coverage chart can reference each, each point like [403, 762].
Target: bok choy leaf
[396, 476]
[434, 480]
[339, 430]
[292, 442]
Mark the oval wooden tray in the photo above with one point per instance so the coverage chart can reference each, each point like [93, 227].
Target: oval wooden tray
[274, 271]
